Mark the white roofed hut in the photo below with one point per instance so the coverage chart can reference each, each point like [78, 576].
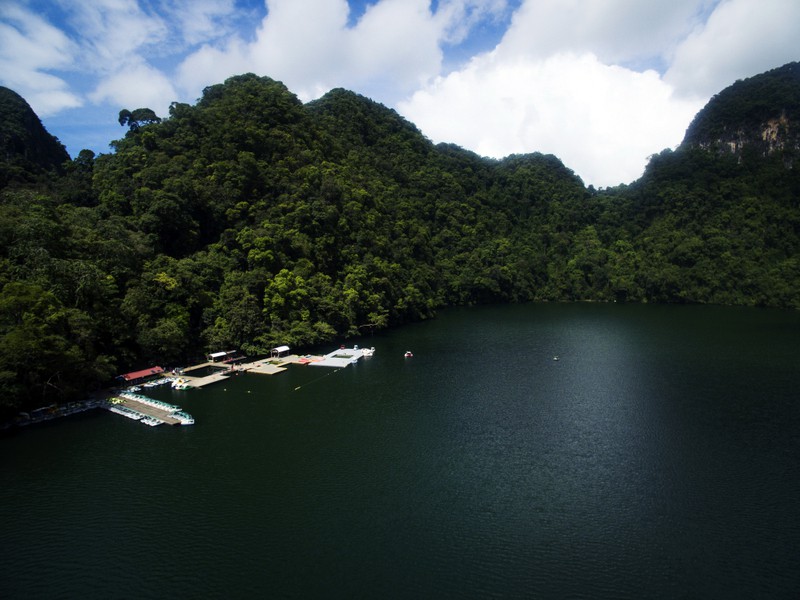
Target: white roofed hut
[279, 351]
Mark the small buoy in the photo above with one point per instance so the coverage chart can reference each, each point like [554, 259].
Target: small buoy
[555, 358]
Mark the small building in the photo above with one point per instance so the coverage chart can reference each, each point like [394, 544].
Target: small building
[140, 376]
[221, 356]
[279, 351]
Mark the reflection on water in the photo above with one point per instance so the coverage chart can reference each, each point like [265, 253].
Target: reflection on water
[656, 458]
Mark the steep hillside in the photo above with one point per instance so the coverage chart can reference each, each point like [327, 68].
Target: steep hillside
[718, 219]
[26, 149]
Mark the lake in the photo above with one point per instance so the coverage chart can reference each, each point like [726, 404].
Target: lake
[658, 457]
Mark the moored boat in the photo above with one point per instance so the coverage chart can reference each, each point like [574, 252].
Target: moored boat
[181, 384]
[184, 417]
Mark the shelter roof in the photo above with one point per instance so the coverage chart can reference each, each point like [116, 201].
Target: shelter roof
[142, 373]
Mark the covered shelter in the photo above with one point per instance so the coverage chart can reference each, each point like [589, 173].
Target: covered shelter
[139, 376]
[279, 351]
[221, 356]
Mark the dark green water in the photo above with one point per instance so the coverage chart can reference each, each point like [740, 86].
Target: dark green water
[658, 458]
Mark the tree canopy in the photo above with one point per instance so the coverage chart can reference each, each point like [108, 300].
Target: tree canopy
[137, 118]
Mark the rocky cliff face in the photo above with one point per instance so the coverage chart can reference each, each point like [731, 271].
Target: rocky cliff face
[779, 134]
[774, 135]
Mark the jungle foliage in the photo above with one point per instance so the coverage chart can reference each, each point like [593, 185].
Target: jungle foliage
[250, 220]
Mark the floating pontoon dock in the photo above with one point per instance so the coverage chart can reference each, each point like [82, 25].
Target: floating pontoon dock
[342, 357]
[148, 410]
[272, 365]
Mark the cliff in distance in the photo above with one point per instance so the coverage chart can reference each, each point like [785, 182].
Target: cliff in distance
[758, 116]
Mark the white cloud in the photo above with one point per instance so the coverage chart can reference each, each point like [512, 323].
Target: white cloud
[296, 49]
[393, 49]
[115, 33]
[210, 65]
[136, 87]
[616, 31]
[600, 83]
[31, 41]
[29, 47]
[567, 78]
[741, 38]
[396, 43]
[201, 20]
[602, 121]
[111, 40]
[47, 95]
[287, 46]
[457, 18]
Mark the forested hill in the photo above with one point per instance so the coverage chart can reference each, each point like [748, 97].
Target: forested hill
[249, 220]
[26, 149]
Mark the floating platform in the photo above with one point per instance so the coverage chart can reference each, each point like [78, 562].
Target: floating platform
[342, 357]
[148, 410]
[266, 366]
[271, 366]
[197, 381]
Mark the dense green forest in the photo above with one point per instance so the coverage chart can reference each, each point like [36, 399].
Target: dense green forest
[250, 219]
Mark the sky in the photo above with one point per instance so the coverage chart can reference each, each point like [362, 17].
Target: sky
[602, 84]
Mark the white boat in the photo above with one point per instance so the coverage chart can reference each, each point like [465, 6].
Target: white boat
[126, 412]
[368, 351]
[408, 354]
[184, 417]
[181, 384]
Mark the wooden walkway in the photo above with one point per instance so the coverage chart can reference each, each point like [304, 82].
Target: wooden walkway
[270, 366]
[264, 366]
[199, 382]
